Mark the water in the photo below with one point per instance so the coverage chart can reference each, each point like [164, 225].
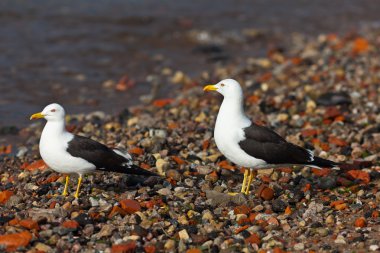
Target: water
[63, 51]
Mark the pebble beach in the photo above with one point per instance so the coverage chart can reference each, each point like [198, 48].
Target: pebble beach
[320, 92]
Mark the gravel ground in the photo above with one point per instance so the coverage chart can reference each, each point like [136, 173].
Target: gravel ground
[321, 93]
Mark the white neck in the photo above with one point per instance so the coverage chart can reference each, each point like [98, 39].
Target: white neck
[232, 112]
[54, 128]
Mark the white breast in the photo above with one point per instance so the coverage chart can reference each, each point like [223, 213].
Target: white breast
[229, 132]
[53, 151]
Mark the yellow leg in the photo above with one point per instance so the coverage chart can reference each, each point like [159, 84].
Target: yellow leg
[250, 179]
[244, 185]
[66, 185]
[78, 187]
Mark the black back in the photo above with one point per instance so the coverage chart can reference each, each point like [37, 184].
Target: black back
[102, 156]
[267, 145]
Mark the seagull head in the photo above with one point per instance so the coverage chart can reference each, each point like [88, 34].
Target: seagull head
[52, 112]
[226, 87]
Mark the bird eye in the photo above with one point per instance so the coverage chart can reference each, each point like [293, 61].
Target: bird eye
[222, 84]
[52, 110]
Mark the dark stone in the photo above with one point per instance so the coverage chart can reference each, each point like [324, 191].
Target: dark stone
[198, 239]
[214, 249]
[346, 150]
[5, 219]
[212, 235]
[152, 181]
[194, 158]
[326, 183]
[266, 108]
[360, 238]
[278, 206]
[124, 115]
[140, 231]
[43, 189]
[374, 175]
[62, 231]
[372, 130]
[174, 222]
[8, 186]
[344, 182]
[245, 233]
[326, 247]
[83, 219]
[368, 214]
[334, 98]
[297, 179]
[316, 225]
[151, 160]
[297, 195]
[192, 229]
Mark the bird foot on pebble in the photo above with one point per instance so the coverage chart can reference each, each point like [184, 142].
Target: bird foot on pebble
[249, 174]
[65, 193]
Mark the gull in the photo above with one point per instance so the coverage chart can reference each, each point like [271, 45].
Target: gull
[250, 145]
[67, 153]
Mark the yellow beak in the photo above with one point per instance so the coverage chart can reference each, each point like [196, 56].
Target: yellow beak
[210, 87]
[36, 116]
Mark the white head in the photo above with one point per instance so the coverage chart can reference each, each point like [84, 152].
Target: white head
[52, 112]
[229, 88]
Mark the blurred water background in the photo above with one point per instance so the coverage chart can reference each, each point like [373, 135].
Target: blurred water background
[72, 52]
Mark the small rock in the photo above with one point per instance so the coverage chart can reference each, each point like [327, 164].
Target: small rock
[13, 201]
[207, 215]
[265, 192]
[169, 245]
[174, 174]
[299, 246]
[201, 117]
[183, 220]
[258, 208]
[312, 211]
[265, 172]
[189, 182]
[326, 183]
[94, 202]
[130, 206]
[204, 170]
[253, 239]
[330, 219]
[360, 222]
[334, 98]
[340, 240]
[322, 231]
[278, 206]
[105, 231]
[162, 166]
[125, 247]
[43, 247]
[88, 230]
[183, 235]
[164, 192]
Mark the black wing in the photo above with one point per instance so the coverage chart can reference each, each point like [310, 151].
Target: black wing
[102, 156]
[267, 145]
[94, 152]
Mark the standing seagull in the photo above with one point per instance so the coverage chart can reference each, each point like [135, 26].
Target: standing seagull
[249, 145]
[67, 153]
